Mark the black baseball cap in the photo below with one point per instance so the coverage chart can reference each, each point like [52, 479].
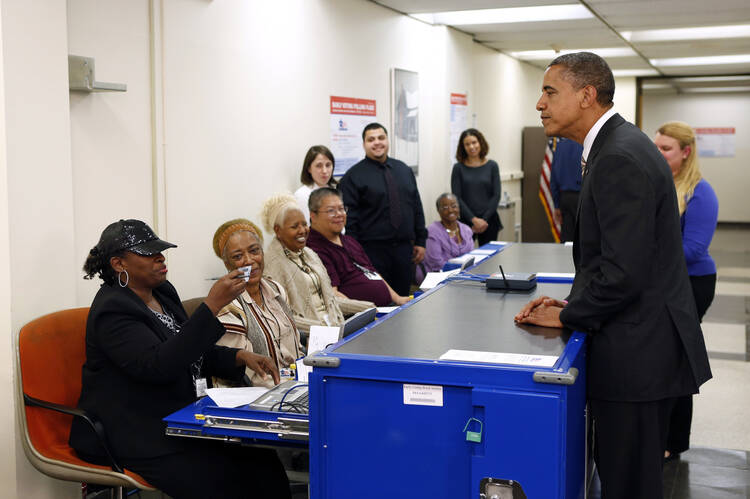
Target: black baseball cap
[131, 235]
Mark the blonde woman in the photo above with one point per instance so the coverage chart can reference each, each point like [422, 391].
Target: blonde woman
[699, 209]
[299, 269]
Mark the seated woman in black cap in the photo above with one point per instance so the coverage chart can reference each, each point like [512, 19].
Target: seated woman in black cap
[145, 359]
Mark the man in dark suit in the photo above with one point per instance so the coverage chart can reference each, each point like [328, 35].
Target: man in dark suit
[631, 292]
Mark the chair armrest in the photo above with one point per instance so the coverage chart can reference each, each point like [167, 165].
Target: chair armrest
[76, 412]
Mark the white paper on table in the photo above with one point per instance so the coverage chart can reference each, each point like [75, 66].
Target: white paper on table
[482, 251]
[386, 310]
[321, 337]
[500, 358]
[235, 397]
[501, 243]
[569, 275]
[432, 279]
[478, 258]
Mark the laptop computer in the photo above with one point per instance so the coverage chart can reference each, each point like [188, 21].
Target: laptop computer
[357, 322]
[292, 395]
[467, 263]
[289, 396]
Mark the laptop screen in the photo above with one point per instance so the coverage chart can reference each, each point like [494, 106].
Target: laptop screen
[357, 322]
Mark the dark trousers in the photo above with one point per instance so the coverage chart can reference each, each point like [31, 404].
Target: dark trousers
[678, 438]
[392, 260]
[215, 470]
[629, 441]
[568, 208]
[493, 227]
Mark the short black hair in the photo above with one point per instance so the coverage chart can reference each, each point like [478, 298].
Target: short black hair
[587, 68]
[372, 126]
[316, 197]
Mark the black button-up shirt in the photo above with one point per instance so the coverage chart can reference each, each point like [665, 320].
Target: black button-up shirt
[365, 194]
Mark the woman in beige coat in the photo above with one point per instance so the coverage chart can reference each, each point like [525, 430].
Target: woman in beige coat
[299, 269]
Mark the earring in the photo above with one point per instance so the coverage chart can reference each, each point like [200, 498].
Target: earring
[127, 278]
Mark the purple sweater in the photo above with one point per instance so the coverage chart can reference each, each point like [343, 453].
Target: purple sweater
[441, 247]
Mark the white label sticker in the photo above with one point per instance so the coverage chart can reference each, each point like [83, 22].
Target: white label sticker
[423, 395]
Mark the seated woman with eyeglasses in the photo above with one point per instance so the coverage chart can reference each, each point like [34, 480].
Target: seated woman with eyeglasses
[259, 319]
[446, 238]
[145, 360]
[351, 271]
[289, 261]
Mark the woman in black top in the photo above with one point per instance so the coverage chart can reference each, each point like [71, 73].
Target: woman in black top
[145, 359]
[475, 181]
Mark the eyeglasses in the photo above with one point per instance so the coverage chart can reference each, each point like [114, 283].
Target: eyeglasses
[332, 212]
[447, 207]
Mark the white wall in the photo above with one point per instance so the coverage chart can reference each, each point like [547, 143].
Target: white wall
[41, 229]
[246, 93]
[110, 132]
[728, 176]
[625, 98]
[8, 459]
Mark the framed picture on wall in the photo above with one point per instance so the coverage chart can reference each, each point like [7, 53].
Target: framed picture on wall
[404, 133]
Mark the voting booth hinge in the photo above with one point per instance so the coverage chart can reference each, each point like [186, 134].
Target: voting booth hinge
[549, 377]
[322, 361]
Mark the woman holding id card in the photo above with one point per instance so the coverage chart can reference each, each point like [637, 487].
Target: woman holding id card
[145, 360]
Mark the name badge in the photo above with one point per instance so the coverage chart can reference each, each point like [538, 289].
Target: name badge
[200, 387]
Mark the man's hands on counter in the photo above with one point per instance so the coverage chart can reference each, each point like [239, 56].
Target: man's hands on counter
[543, 311]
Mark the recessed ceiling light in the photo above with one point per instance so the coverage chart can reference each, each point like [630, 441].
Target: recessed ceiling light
[509, 15]
[634, 72]
[534, 55]
[709, 79]
[698, 33]
[710, 90]
[702, 61]
[657, 86]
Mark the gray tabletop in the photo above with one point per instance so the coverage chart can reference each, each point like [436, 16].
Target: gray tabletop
[531, 258]
[463, 316]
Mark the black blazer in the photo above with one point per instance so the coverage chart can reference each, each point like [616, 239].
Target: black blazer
[138, 372]
[631, 292]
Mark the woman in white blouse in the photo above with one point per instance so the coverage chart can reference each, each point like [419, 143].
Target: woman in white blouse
[317, 171]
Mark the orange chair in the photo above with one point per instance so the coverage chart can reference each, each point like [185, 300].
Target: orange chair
[49, 355]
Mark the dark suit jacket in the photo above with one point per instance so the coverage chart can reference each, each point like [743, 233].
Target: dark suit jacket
[631, 292]
[138, 372]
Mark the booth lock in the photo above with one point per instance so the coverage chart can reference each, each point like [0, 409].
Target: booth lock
[473, 436]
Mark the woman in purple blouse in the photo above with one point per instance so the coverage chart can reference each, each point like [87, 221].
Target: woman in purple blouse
[447, 238]
[699, 211]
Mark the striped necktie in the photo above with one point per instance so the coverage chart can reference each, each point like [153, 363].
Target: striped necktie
[584, 169]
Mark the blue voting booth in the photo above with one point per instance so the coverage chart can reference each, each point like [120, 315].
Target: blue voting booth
[445, 397]
[390, 418]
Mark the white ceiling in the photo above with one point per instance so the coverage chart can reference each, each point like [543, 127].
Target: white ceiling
[612, 18]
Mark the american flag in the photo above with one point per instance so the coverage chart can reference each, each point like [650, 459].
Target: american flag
[544, 189]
